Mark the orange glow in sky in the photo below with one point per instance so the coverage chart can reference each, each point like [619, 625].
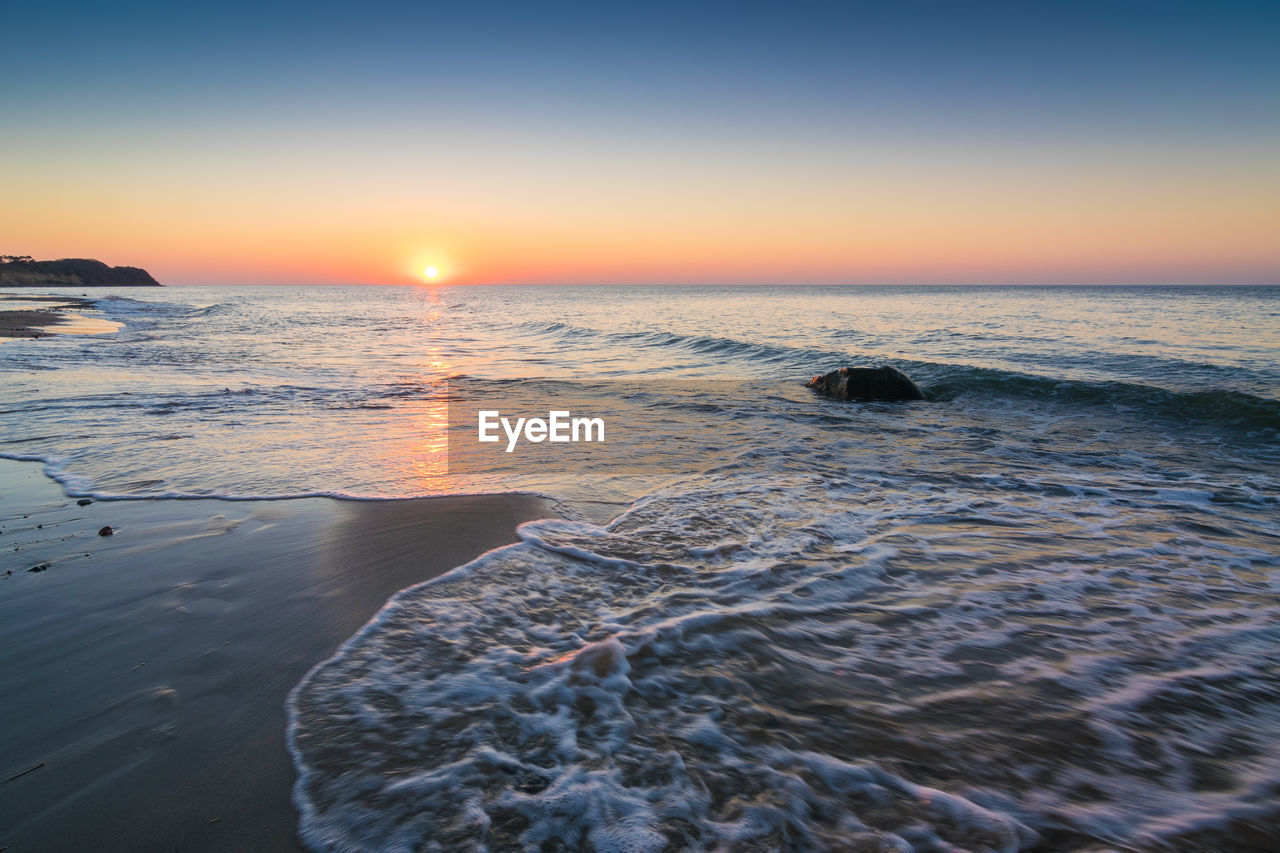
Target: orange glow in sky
[656, 215]
[648, 153]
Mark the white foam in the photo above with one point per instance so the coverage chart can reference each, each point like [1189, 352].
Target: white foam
[901, 668]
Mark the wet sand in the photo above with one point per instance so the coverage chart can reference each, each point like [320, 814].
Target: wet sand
[144, 675]
[30, 323]
[42, 316]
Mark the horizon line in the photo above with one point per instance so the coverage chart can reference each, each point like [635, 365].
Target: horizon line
[425, 284]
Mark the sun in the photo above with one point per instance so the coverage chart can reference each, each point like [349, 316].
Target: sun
[431, 273]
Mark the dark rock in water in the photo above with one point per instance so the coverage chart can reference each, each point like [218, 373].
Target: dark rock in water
[38, 567]
[866, 384]
[106, 531]
[83, 502]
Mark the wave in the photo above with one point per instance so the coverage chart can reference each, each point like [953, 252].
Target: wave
[212, 310]
[701, 344]
[77, 486]
[749, 665]
[1222, 406]
[951, 383]
[116, 298]
[1229, 405]
[711, 345]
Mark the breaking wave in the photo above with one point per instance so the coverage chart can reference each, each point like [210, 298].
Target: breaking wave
[785, 662]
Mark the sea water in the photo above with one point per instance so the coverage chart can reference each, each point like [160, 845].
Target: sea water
[1039, 611]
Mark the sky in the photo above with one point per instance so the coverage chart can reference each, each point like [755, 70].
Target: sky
[906, 142]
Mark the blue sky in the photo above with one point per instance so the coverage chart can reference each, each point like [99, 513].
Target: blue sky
[1197, 85]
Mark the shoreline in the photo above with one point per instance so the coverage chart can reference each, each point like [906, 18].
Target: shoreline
[32, 323]
[41, 322]
[146, 672]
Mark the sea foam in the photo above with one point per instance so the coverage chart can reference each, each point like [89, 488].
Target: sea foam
[744, 665]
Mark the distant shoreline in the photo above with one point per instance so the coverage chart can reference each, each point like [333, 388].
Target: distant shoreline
[24, 271]
[715, 285]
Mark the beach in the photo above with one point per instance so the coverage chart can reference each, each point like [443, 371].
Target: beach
[26, 324]
[41, 316]
[145, 673]
[29, 322]
[1035, 610]
[640, 428]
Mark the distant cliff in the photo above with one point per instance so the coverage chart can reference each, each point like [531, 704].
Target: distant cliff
[22, 271]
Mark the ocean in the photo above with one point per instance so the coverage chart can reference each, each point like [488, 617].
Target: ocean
[1038, 611]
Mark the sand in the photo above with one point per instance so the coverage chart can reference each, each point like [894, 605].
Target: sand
[32, 323]
[41, 316]
[144, 675]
